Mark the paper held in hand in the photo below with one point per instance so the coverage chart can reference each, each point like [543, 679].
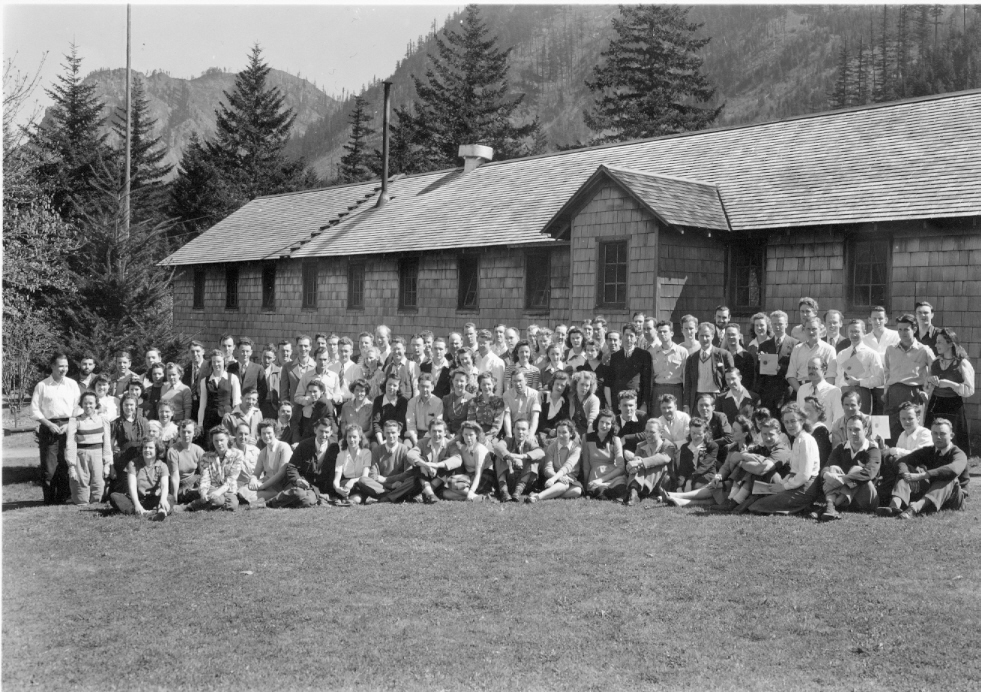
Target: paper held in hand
[853, 368]
[761, 488]
[769, 364]
[880, 427]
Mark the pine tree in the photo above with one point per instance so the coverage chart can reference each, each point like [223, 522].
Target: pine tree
[841, 94]
[464, 97]
[199, 195]
[252, 130]
[354, 165]
[651, 77]
[147, 153]
[885, 90]
[71, 143]
[403, 155]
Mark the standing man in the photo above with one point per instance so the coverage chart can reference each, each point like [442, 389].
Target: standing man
[348, 372]
[926, 333]
[500, 343]
[403, 369]
[487, 361]
[689, 329]
[321, 371]
[808, 308]
[123, 374]
[668, 365]
[383, 342]
[421, 411]
[269, 405]
[417, 349]
[249, 374]
[772, 385]
[803, 352]
[743, 359]
[705, 370]
[291, 376]
[440, 368]
[227, 346]
[879, 339]
[722, 318]
[365, 341]
[905, 368]
[52, 404]
[833, 321]
[511, 338]
[649, 337]
[195, 371]
[638, 324]
[86, 373]
[470, 336]
[285, 353]
[859, 367]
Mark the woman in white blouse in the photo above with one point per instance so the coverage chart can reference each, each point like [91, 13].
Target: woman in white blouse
[270, 467]
[795, 491]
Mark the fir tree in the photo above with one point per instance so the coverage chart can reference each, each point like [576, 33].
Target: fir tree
[403, 155]
[464, 98]
[841, 95]
[71, 143]
[199, 195]
[252, 130]
[651, 77]
[354, 165]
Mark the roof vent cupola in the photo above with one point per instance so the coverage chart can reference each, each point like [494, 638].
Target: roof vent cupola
[474, 155]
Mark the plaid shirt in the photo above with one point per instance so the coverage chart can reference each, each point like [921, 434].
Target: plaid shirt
[217, 472]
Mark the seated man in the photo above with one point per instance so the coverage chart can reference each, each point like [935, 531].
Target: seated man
[311, 407]
[649, 465]
[145, 489]
[630, 424]
[854, 488]
[473, 458]
[430, 460]
[717, 427]
[310, 470]
[674, 423]
[761, 462]
[516, 462]
[851, 404]
[736, 396]
[390, 477]
[931, 478]
[247, 412]
[698, 458]
[220, 469]
[913, 437]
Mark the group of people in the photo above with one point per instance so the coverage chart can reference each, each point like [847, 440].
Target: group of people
[781, 424]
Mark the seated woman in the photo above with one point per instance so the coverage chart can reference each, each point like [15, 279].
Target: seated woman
[584, 405]
[793, 493]
[560, 465]
[473, 458]
[731, 482]
[486, 409]
[144, 488]
[250, 455]
[853, 488]
[602, 461]
[648, 468]
[698, 458]
[817, 418]
[269, 475]
[183, 461]
[353, 463]
[555, 407]
[176, 392]
[88, 452]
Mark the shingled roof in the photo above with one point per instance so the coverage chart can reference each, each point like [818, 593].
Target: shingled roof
[914, 159]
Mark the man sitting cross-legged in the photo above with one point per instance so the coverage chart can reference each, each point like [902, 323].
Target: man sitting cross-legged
[516, 462]
[473, 459]
[930, 478]
[649, 465]
[390, 477]
[763, 462]
[560, 465]
[854, 488]
[310, 470]
[433, 459]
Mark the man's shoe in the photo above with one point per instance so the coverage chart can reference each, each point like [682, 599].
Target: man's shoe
[369, 501]
[504, 495]
[728, 506]
[429, 498]
[160, 515]
[830, 514]
[632, 499]
[887, 511]
[908, 514]
[532, 499]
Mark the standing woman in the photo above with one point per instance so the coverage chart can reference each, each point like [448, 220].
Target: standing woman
[762, 330]
[522, 363]
[176, 392]
[552, 366]
[555, 406]
[603, 466]
[464, 362]
[88, 452]
[576, 348]
[795, 492]
[584, 405]
[152, 395]
[220, 393]
[951, 381]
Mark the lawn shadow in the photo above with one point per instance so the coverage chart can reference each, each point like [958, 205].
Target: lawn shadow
[19, 474]
[21, 504]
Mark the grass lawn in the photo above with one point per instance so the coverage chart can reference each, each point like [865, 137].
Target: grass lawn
[559, 595]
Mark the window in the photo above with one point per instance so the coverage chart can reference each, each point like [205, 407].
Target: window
[538, 283]
[231, 288]
[746, 276]
[612, 289]
[468, 275]
[309, 284]
[868, 272]
[198, 299]
[408, 284]
[355, 286]
[269, 286]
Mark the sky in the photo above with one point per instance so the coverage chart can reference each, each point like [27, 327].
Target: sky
[337, 46]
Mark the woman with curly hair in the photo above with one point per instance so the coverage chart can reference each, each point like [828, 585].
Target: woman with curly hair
[584, 405]
[794, 492]
[950, 382]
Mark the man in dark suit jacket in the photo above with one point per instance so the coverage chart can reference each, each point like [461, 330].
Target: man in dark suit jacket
[269, 404]
[736, 396]
[444, 381]
[313, 463]
[718, 429]
[774, 390]
[197, 369]
[705, 369]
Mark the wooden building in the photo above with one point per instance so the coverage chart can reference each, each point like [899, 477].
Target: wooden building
[877, 205]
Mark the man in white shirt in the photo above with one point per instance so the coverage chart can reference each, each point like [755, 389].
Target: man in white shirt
[322, 372]
[859, 367]
[86, 373]
[913, 437]
[813, 347]
[347, 370]
[668, 362]
[674, 423]
[383, 342]
[821, 389]
[421, 411]
[52, 404]
[879, 339]
[488, 361]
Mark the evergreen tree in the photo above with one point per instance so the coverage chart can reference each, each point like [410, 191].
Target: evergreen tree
[199, 195]
[147, 152]
[252, 130]
[841, 95]
[403, 155]
[354, 165]
[651, 77]
[464, 98]
[69, 141]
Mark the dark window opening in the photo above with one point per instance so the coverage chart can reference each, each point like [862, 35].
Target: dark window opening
[613, 274]
[869, 273]
[355, 286]
[198, 299]
[408, 284]
[746, 277]
[231, 288]
[269, 286]
[468, 274]
[309, 284]
[538, 282]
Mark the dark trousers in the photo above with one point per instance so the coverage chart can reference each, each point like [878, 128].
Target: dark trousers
[124, 504]
[389, 492]
[228, 501]
[54, 469]
[293, 498]
[941, 494]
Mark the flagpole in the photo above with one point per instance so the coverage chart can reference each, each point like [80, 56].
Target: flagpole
[126, 179]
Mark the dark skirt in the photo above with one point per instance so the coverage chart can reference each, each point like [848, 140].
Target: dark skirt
[951, 408]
